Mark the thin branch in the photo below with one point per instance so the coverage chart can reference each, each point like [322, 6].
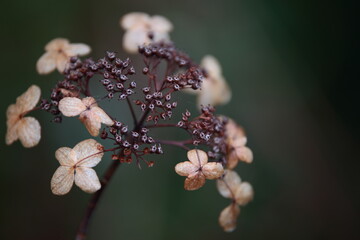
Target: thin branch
[181, 144]
[131, 110]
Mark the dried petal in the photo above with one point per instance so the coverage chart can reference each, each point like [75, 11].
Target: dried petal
[133, 39]
[244, 193]
[185, 168]
[232, 159]
[194, 181]
[71, 106]
[229, 184]
[211, 65]
[46, 63]
[89, 102]
[62, 61]
[228, 217]
[134, 20]
[29, 131]
[244, 154]
[62, 180]
[88, 153]
[213, 170]
[160, 24]
[91, 122]
[78, 49]
[56, 44]
[197, 157]
[66, 156]
[87, 180]
[11, 134]
[104, 118]
[28, 100]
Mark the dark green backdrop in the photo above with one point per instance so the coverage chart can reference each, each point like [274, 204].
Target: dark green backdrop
[292, 67]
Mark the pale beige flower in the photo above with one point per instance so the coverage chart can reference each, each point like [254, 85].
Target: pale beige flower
[58, 52]
[214, 89]
[91, 115]
[228, 217]
[139, 26]
[198, 169]
[236, 141]
[76, 166]
[230, 186]
[27, 129]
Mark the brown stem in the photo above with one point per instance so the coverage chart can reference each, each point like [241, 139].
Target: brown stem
[132, 111]
[181, 144]
[81, 234]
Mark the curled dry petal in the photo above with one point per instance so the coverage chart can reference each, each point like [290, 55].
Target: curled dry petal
[29, 131]
[194, 181]
[91, 121]
[185, 168]
[62, 180]
[197, 157]
[88, 153]
[71, 106]
[244, 193]
[213, 170]
[104, 118]
[228, 217]
[228, 185]
[87, 180]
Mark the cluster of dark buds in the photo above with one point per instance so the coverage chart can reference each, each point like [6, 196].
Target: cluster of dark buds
[148, 92]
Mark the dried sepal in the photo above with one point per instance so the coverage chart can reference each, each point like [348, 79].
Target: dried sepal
[228, 217]
[198, 169]
[228, 185]
[244, 194]
[27, 129]
[58, 52]
[76, 166]
[91, 115]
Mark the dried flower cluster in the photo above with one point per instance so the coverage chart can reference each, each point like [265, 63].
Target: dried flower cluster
[148, 92]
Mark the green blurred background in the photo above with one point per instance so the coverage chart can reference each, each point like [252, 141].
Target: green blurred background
[292, 67]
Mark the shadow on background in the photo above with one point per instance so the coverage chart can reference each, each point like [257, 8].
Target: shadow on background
[292, 67]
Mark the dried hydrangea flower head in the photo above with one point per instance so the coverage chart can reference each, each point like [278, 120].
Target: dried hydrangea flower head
[91, 115]
[236, 141]
[142, 29]
[58, 52]
[76, 166]
[27, 129]
[214, 90]
[230, 186]
[198, 169]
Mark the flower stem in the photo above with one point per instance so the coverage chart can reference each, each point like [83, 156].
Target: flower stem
[84, 224]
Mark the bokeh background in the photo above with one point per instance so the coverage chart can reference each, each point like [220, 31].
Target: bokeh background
[293, 68]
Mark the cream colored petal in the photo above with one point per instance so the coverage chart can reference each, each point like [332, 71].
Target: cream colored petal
[211, 65]
[223, 92]
[194, 181]
[133, 39]
[244, 154]
[134, 20]
[197, 157]
[244, 193]
[104, 118]
[87, 180]
[46, 63]
[66, 156]
[213, 170]
[11, 134]
[62, 62]
[232, 159]
[229, 184]
[71, 106]
[57, 44]
[62, 180]
[89, 153]
[161, 36]
[77, 49]
[89, 102]
[185, 168]
[228, 217]
[91, 122]
[160, 24]
[29, 132]
[28, 100]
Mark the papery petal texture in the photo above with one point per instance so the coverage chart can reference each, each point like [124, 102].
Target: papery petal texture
[87, 180]
[62, 180]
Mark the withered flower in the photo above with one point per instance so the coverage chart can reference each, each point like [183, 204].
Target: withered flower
[214, 89]
[198, 169]
[58, 52]
[27, 129]
[236, 141]
[90, 114]
[143, 29]
[76, 166]
[230, 186]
